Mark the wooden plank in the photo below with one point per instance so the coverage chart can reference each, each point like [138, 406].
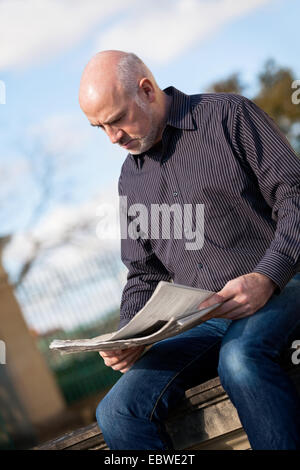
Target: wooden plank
[206, 418]
[75, 437]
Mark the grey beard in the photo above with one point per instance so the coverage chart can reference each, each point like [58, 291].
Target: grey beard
[148, 141]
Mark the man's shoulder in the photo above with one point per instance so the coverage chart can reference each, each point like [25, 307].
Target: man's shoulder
[128, 169]
[216, 99]
[129, 164]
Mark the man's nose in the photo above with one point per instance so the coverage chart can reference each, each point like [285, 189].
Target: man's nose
[115, 135]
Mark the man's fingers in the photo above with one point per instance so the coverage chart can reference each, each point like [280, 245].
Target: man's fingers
[239, 313]
[129, 356]
[113, 352]
[223, 309]
[226, 307]
[229, 291]
[126, 363]
[214, 299]
[119, 352]
[116, 354]
[112, 360]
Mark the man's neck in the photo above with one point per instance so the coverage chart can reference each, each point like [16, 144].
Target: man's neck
[166, 105]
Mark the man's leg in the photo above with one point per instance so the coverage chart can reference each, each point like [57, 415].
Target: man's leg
[131, 415]
[265, 398]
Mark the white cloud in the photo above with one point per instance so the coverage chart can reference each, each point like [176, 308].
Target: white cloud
[163, 30]
[158, 30]
[33, 29]
[52, 229]
[64, 218]
[60, 240]
[19, 250]
[62, 133]
[15, 172]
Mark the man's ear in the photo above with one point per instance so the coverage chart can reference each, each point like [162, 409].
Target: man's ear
[147, 89]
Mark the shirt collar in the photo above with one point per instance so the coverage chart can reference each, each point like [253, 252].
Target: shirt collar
[180, 114]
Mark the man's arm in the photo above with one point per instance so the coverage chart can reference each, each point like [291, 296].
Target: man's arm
[144, 273]
[261, 144]
[265, 151]
[142, 278]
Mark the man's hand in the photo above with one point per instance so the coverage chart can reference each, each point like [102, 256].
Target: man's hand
[242, 297]
[122, 359]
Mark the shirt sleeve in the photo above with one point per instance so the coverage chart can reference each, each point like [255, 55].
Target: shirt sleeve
[145, 271]
[276, 166]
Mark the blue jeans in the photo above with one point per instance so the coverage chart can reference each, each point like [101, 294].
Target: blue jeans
[245, 353]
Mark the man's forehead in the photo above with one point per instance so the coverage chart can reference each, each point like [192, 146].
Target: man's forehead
[109, 104]
[115, 113]
[109, 97]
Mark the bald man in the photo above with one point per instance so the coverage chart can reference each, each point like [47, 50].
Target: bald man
[223, 151]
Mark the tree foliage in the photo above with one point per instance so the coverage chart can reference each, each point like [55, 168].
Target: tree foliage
[274, 96]
[231, 84]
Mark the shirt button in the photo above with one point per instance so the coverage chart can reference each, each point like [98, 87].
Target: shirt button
[175, 194]
[200, 265]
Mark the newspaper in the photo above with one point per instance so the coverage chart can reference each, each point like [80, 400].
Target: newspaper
[172, 309]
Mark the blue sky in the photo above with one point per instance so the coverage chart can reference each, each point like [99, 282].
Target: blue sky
[49, 153]
[186, 43]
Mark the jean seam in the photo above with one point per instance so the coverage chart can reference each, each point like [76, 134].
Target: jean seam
[176, 375]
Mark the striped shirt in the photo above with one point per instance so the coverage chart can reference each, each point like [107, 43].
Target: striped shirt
[222, 151]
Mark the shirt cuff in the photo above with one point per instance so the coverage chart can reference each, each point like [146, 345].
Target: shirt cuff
[277, 267]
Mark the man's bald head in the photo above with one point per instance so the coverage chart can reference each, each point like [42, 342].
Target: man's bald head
[119, 94]
[112, 71]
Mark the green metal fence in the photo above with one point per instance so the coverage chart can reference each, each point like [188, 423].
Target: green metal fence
[6, 441]
[78, 302]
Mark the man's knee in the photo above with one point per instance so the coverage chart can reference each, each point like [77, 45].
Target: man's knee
[110, 408]
[121, 403]
[104, 414]
[240, 362]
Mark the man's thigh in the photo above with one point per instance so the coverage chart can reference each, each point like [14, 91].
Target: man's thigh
[161, 376]
[274, 326]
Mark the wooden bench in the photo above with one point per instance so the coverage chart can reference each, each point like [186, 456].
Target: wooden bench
[206, 419]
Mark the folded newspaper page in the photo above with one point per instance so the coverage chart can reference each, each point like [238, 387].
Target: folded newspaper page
[171, 309]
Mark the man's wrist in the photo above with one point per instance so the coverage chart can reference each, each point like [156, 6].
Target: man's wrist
[267, 280]
[277, 267]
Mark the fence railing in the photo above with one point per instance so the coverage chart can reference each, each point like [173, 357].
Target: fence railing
[78, 301]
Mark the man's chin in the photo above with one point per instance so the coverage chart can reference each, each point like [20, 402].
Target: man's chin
[142, 145]
[142, 148]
